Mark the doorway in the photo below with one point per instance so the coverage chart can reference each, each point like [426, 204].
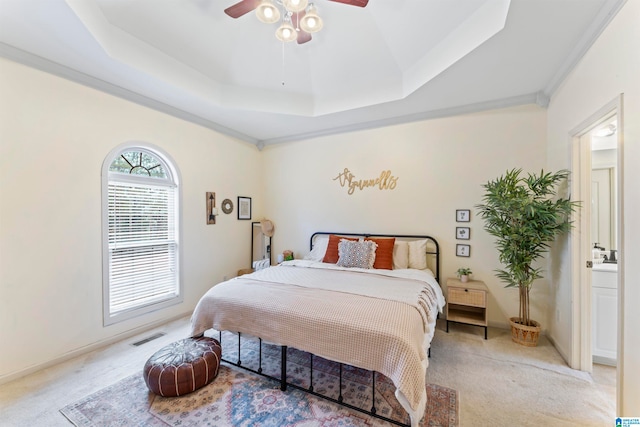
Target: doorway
[596, 308]
[605, 254]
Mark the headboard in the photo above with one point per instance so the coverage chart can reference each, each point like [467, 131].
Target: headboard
[433, 248]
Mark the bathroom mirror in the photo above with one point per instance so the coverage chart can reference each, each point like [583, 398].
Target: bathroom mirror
[260, 246]
[604, 158]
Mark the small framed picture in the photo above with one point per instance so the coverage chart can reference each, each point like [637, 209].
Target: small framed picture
[463, 233]
[463, 215]
[244, 207]
[463, 250]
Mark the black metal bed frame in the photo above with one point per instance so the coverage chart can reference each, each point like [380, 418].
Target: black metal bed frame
[433, 252]
[284, 384]
[283, 361]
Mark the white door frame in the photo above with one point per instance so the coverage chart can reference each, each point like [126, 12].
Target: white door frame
[581, 350]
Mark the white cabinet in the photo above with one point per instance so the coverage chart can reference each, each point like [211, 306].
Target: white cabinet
[604, 320]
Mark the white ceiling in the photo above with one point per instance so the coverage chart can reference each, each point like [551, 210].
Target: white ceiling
[391, 62]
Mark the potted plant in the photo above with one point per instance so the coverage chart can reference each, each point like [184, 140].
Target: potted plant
[463, 273]
[525, 216]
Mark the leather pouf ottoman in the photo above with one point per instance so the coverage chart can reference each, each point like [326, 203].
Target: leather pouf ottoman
[183, 366]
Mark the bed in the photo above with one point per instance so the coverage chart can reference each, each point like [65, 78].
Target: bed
[336, 305]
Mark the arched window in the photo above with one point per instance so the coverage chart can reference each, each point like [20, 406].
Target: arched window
[140, 232]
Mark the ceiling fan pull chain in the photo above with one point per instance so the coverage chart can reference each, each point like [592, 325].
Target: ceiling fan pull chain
[282, 63]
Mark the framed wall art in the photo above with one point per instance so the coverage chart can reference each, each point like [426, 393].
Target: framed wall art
[244, 207]
[463, 250]
[463, 215]
[463, 233]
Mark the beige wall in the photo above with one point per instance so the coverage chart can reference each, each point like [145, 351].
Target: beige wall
[610, 68]
[55, 135]
[440, 164]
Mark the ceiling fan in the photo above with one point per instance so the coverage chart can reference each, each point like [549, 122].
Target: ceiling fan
[295, 26]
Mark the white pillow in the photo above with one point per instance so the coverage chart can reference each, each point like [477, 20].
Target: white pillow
[356, 254]
[320, 244]
[400, 255]
[418, 254]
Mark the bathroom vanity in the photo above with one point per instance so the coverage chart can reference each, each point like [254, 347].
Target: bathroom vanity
[604, 296]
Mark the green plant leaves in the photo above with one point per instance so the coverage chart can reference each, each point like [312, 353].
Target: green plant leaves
[525, 216]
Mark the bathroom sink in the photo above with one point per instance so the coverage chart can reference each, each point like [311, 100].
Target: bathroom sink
[605, 267]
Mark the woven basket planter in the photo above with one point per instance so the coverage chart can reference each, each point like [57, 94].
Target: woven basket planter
[524, 335]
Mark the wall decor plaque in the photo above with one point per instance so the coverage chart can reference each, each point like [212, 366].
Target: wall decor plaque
[386, 181]
[227, 206]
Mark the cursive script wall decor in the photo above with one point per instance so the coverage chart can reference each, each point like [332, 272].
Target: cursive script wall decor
[385, 181]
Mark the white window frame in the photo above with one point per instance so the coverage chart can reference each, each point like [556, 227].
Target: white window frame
[174, 180]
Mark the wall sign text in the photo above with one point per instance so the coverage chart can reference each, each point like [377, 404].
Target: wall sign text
[386, 181]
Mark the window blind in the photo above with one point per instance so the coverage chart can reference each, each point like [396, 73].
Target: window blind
[142, 244]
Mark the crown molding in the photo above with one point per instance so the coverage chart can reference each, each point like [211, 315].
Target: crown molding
[34, 61]
[514, 101]
[17, 55]
[541, 98]
[599, 23]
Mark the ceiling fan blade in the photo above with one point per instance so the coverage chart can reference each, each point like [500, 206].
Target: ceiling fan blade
[303, 36]
[241, 8]
[359, 3]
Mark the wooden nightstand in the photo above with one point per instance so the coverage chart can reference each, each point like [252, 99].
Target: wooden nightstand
[467, 303]
[244, 271]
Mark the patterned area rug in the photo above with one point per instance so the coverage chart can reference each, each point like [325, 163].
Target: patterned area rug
[239, 398]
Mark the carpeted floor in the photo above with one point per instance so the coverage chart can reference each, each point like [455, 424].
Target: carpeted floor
[240, 398]
[499, 383]
[505, 384]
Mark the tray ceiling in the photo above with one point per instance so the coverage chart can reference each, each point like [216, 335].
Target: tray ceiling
[391, 62]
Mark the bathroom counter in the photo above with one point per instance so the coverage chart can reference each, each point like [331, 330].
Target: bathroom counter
[605, 267]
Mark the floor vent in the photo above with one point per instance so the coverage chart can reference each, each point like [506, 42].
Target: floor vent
[151, 338]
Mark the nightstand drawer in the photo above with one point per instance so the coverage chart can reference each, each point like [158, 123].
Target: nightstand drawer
[465, 296]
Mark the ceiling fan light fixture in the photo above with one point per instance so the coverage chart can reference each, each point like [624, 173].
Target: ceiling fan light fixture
[286, 32]
[295, 5]
[267, 12]
[311, 22]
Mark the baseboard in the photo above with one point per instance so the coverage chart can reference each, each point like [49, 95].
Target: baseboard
[558, 349]
[89, 348]
[605, 360]
[499, 325]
